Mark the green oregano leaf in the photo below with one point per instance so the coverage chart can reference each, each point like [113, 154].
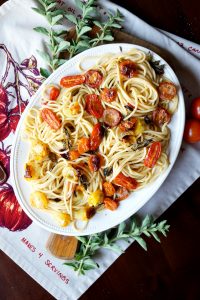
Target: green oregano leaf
[71, 18]
[108, 38]
[63, 45]
[42, 3]
[45, 73]
[52, 5]
[39, 11]
[84, 30]
[42, 30]
[56, 19]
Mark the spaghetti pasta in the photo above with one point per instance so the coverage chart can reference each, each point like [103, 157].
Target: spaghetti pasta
[111, 127]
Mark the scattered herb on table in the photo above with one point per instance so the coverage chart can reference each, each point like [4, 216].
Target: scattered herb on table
[89, 245]
[57, 39]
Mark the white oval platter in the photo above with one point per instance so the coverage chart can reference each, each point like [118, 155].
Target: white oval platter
[105, 219]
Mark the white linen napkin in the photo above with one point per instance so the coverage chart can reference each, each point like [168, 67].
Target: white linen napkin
[18, 44]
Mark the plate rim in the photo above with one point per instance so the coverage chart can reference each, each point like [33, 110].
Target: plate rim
[33, 99]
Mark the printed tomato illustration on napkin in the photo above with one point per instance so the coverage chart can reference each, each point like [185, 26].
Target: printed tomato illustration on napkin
[17, 84]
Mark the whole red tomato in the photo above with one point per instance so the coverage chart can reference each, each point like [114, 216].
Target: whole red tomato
[11, 214]
[195, 108]
[192, 131]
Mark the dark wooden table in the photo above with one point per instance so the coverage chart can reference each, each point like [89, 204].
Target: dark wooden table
[169, 270]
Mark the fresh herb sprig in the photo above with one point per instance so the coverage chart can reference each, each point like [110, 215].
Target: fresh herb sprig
[155, 64]
[57, 39]
[105, 33]
[89, 245]
[82, 26]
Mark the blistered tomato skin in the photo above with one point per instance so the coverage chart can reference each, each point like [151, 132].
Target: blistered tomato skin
[153, 155]
[50, 118]
[127, 182]
[93, 78]
[94, 106]
[128, 68]
[96, 137]
[108, 95]
[70, 81]
[54, 93]
[192, 131]
[94, 163]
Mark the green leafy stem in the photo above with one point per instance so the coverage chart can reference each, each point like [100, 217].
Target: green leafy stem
[57, 42]
[89, 245]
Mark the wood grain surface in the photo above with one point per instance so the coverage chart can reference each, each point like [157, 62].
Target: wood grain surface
[169, 270]
[60, 246]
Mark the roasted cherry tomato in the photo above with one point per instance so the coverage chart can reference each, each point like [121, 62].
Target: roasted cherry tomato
[54, 93]
[96, 136]
[128, 68]
[192, 131]
[111, 117]
[94, 163]
[153, 155]
[93, 78]
[166, 90]
[110, 204]
[130, 106]
[121, 193]
[102, 161]
[94, 106]
[195, 108]
[108, 189]
[50, 118]
[70, 81]
[128, 182]
[161, 116]
[73, 154]
[90, 212]
[108, 95]
[83, 145]
[128, 125]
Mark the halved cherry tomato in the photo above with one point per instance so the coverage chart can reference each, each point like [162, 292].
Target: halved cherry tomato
[128, 182]
[153, 155]
[83, 145]
[96, 136]
[73, 154]
[70, 81]
[94, 163]
[110, 204]
[54, 93]
[161, 116]
[128, 125]
[94, 106]
[128, 68]
[111, 117]
[121, 193]
[192, 131]
[166, 90]
[108, 95]
[93, 78]
[50, 118]
[108, 189]
[195, 108]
